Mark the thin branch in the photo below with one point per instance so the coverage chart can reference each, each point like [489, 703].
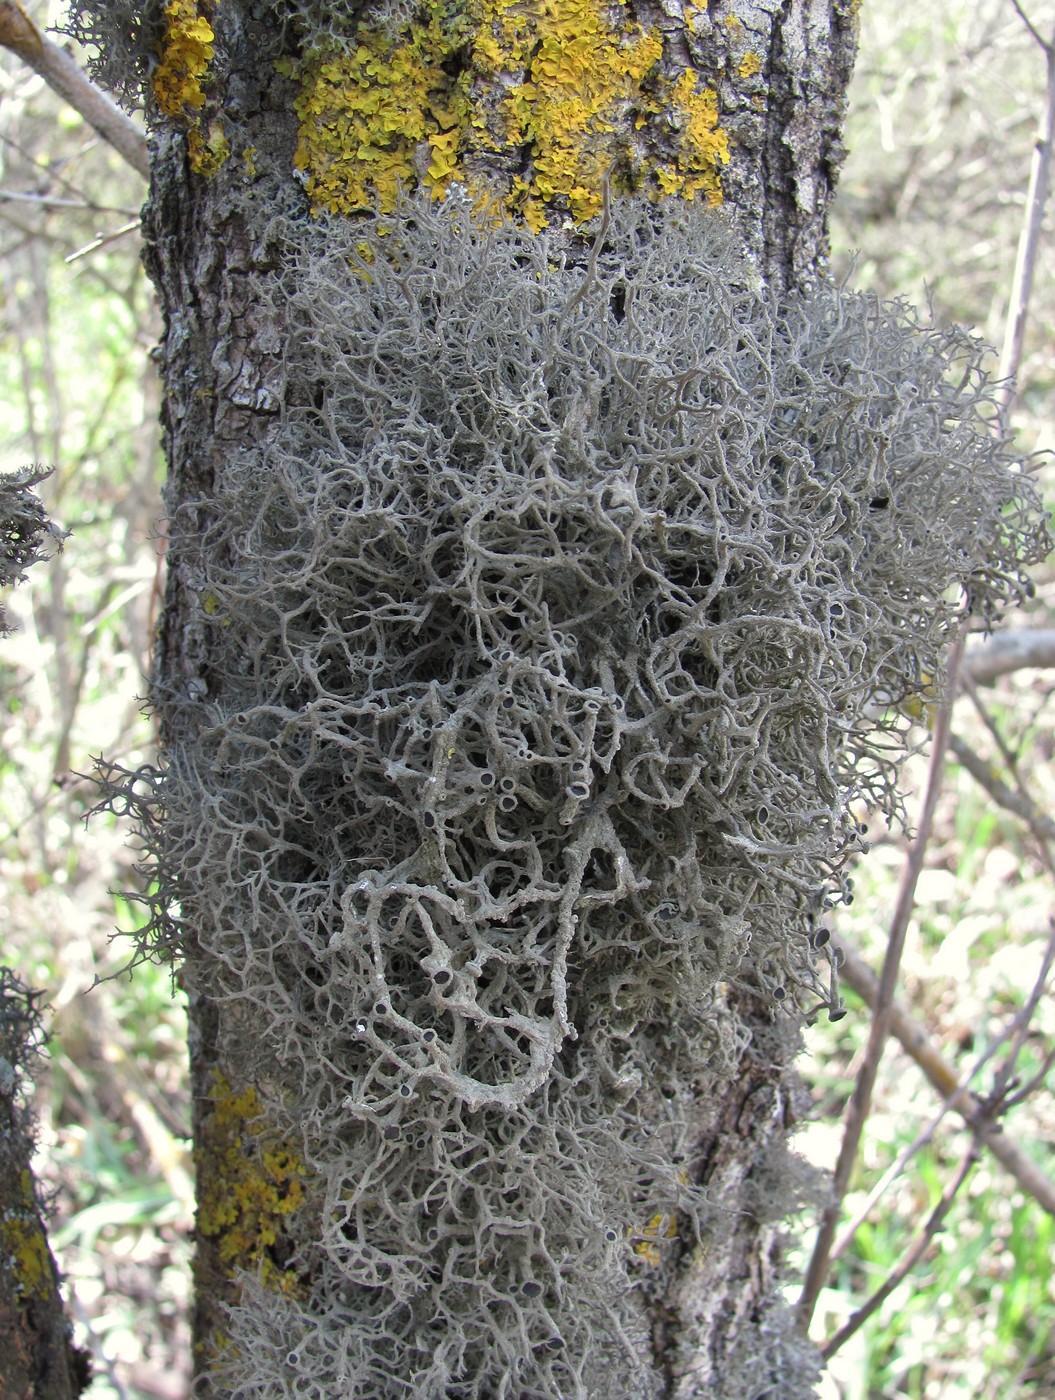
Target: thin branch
[1019, 805]
[971, 690]
[50, 201]
[1032, 1084]
[892, 1173]
[909, 1259]
[1003, 1080]
[62, 73]
[861, 1099]
[1010, 651]
[915, 1041]
[922, 1138]
[1033, 819]
[102, 239]
[1029, 240]
[1029, 24]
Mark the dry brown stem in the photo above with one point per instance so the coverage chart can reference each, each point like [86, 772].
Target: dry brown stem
[915, 1041]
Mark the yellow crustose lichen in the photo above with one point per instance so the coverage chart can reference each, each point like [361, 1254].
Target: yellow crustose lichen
[185, 54]
[749, 65]
[648, 1241]
[23, 1242]
[250, 1181]
[420, 100]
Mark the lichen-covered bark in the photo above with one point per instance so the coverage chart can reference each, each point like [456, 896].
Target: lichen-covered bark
[736, 103]
[37, 1358]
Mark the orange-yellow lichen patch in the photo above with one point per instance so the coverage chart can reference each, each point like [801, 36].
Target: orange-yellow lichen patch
[650, 1238]
[250, 1182]
[185, 53]
[561, 87]
[583, 80]
[365, 112]
[24, 1243]
[749, 65]
[703, 147]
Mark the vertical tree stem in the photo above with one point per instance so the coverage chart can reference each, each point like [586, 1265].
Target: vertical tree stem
[1029, 239]
[861, 1100]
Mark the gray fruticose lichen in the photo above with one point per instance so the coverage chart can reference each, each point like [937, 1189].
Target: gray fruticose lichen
[24, 528]
[561, 631]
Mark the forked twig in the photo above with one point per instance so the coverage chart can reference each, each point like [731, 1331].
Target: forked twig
[909, 1259]
[915, 1041]
[861, 1099]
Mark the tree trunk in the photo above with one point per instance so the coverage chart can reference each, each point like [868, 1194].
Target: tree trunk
[38, 1360]
[262, 110]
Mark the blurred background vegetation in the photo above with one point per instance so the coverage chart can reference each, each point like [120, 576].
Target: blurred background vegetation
[942, 125]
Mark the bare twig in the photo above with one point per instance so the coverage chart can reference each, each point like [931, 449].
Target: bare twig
[1003, 1080]
[858, 975]
[1029, 24]
[62, 73]
[1010, 651]
[861, 1098]
[908, 1260]
[971, 690]
[102, 239]
[1032, 1084]
[1038, 824]
[991, 1108]
[1029, 240]
[1014, 802]
[50, 201]
[892, 1173]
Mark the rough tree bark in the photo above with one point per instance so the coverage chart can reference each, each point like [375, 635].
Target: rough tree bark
[735, 103]
[37, 1358]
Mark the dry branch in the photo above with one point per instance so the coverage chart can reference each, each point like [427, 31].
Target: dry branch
[926, 1054]
[1020, 804]
[1011, 651]
[882, 1007]
[1029, 240]
[61, 73]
